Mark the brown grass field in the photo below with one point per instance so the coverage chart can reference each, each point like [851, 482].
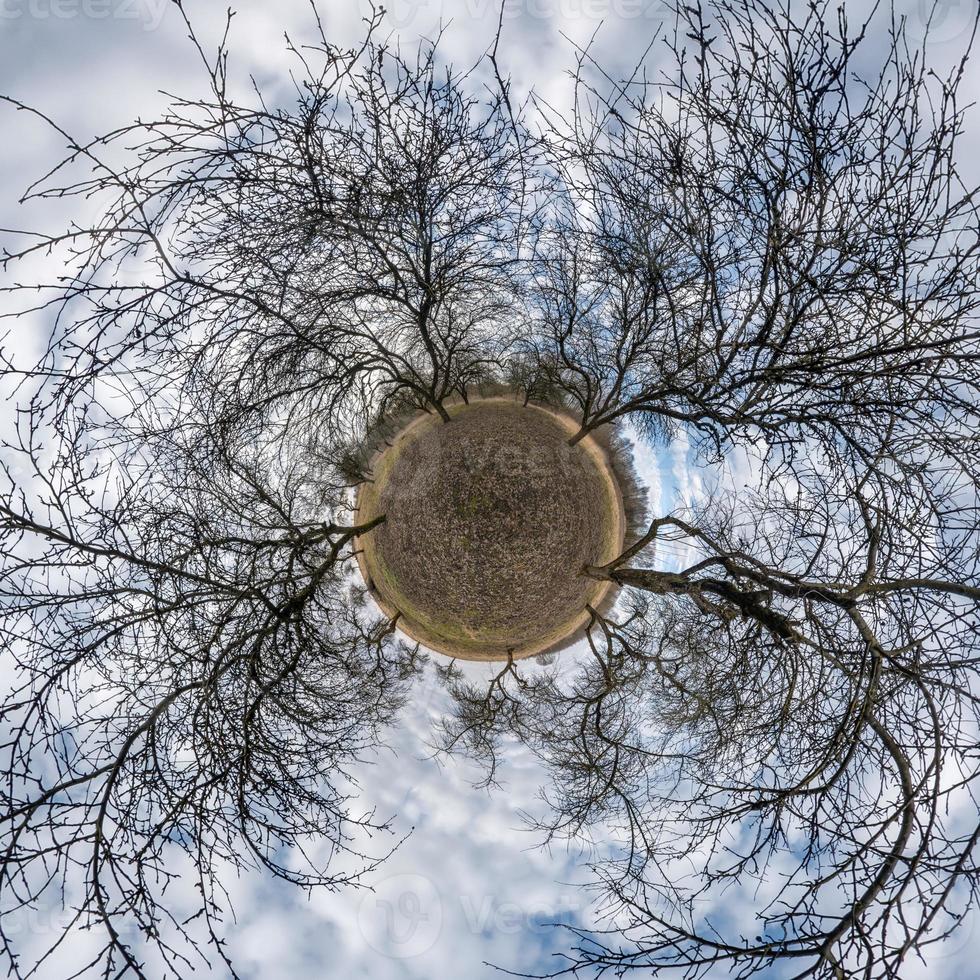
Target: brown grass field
[490, 520]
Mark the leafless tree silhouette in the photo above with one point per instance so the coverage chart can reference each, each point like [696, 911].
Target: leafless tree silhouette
[355, 245]
[793, 708]
[194, 675]
[767, 248]
[769, 240]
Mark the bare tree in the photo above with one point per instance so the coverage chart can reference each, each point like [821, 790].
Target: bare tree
[193, 678]
[195, 669]
[769, 240]
[359, 243]
[793, 709]
[769, 248]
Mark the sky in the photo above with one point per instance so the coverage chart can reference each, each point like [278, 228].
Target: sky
[469, 885]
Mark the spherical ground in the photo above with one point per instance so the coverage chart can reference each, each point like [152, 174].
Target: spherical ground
[489, 521]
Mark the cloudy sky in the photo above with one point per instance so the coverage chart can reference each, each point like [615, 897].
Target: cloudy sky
[469, 885]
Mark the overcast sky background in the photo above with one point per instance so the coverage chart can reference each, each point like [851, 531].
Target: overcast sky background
[469, 885]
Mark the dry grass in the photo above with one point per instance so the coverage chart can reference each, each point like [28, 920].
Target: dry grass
[489, 522]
